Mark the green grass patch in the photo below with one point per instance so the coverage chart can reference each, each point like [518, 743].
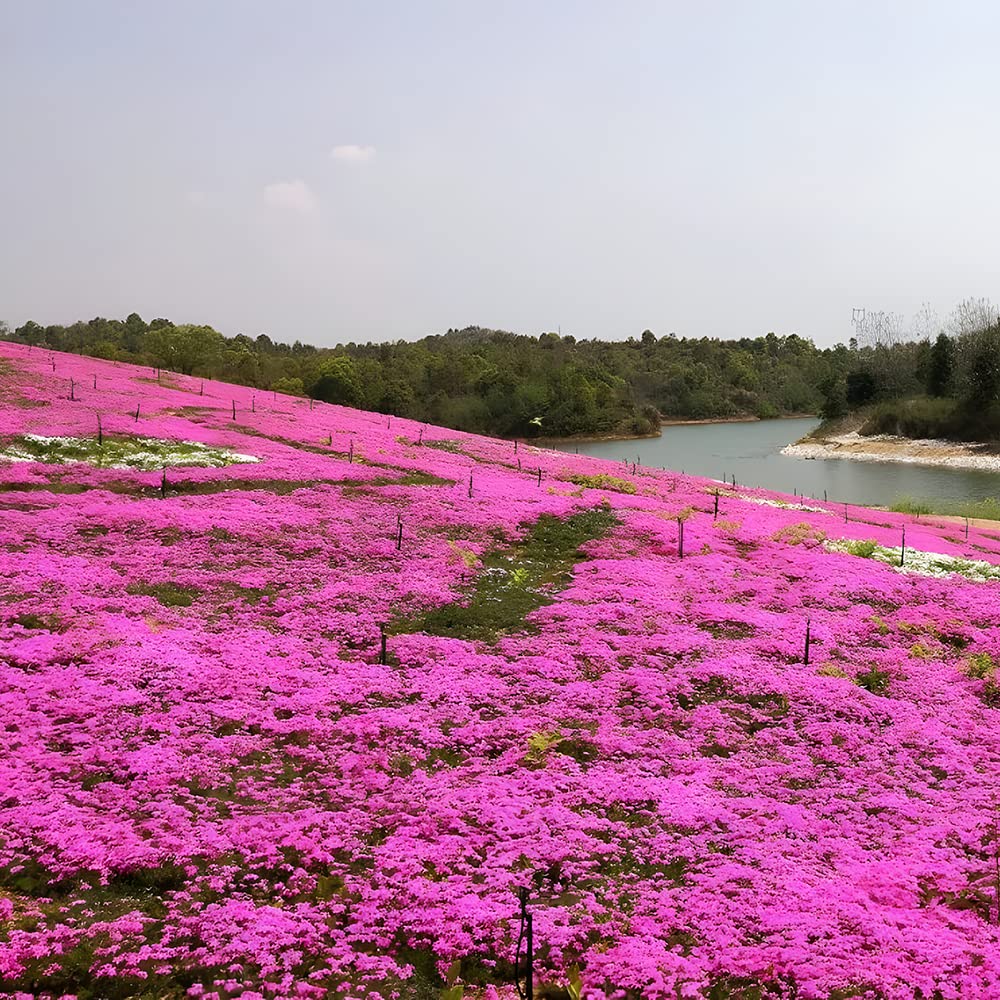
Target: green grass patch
[516, 581]
[602, 481]
[169, 594]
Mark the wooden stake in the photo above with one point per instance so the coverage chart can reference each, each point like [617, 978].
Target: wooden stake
[539, 476]
[808, 636]
[100, 432]
[137, 412]
[902, 550]
[680, 538]
[234, 409]
[716, 514]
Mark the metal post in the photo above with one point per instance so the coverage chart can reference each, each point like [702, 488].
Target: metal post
[539, 476]
[680, 538]
[902, 550]
[234, 409]
[808, 636]
[716, 514]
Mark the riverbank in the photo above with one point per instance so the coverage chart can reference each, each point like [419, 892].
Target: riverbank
[734, 420]
[889, 448]
[672, 422]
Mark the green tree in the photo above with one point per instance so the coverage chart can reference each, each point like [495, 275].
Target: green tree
[941, 366]
[337, 382]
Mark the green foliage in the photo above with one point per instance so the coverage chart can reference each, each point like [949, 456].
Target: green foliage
[337, 381]
[874, 680]
[602, 481]
[921, 417]
[514, 582]
[907, 505]
[289, 386]
[941, 366]
[865, 548]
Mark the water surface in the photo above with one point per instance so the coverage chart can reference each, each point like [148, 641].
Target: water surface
[751, 452]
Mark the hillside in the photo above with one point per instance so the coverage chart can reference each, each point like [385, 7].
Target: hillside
[294, 698]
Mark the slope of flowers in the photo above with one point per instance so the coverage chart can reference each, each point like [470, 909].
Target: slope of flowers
[211, 785]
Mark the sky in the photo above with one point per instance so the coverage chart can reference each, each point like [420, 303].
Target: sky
[334, 172]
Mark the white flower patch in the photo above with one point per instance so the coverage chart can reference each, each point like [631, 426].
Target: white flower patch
[917, 562]
[768, 502]
[144, 454]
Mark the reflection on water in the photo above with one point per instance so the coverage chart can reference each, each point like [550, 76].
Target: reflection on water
[751, 452]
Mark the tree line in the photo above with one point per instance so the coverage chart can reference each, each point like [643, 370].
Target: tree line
[943, 384]
[495, 382]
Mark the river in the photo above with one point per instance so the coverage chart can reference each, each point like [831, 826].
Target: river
[752, 452]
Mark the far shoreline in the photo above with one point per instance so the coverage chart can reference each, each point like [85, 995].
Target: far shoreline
[672, 422]
[889, 448]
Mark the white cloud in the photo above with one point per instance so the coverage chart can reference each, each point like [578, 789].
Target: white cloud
[352, 154]
[293, 195]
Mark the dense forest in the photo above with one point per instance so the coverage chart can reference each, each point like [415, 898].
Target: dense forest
[489, 381]
[505, 384]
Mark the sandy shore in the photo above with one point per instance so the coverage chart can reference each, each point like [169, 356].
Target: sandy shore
[886, 448]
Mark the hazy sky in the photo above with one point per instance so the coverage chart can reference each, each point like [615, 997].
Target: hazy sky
[352, 171]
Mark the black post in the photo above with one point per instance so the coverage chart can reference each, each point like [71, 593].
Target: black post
[633, 468]
[902, 550]
[381, 655]
[515, 446]
[539, 475]
[253, 404]
[201, 391]
[388, 422]
[716, 514]
[399, 535]
[350, 452]
[72, 389]
[137, 412]
[470, 484]
[966, 529]
[526, 934]
[529, 972]
[95, 381]
[845, 513]
[518, 465]
[234, 409]
[824, 496]
[163, 485]
[808, 636]
[310, 402]
[100, 432]
[680, 538]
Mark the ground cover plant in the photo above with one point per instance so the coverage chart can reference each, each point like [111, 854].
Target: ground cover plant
[303, 726]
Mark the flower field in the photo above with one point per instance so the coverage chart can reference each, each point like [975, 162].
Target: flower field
[295, 698]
